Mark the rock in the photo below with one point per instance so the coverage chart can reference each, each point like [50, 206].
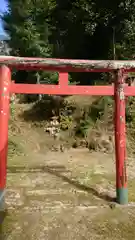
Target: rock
[55, 149]
[83, 143]
[62, 149]
[75, 144]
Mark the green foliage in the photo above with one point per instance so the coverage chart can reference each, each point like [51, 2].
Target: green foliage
[66, 122]
[78, 25]
[130, 112]
[70, 29]
[81, 29]
[26, 24]
[12, 109]
[83, 126]
[88, 116]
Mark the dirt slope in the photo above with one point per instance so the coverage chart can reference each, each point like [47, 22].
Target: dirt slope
[68, 195]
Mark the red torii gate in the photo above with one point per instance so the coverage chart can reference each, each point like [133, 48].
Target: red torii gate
[119, 91]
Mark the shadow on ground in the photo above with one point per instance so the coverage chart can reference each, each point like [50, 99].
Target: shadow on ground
[59, 172]
[43, 110]
[3, 215]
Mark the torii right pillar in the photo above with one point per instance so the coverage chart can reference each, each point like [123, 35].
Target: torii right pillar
[120, 138]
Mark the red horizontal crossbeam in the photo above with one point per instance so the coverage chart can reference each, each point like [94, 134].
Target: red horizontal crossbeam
[61, 90]
[67, 90]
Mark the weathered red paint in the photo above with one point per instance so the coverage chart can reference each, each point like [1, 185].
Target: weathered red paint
[64, 69]
[63, 79]
[5, 78]
[55, 65]
[119, 91]
[62, 90]
[67, 65]
[120, 138]
[130, 91]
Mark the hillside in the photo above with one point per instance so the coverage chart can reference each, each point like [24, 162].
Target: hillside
[47, 185]
[86, 121]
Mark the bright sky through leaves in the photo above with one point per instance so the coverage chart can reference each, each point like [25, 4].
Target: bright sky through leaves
[2, 9]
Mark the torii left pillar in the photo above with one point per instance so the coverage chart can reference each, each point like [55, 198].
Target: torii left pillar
[5, 80]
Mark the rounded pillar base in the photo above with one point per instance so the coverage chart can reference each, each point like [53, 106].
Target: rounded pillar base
[122, 196]
[2, 199]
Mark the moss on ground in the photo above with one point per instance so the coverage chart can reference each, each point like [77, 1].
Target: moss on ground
[115, 224]
[14, 148]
